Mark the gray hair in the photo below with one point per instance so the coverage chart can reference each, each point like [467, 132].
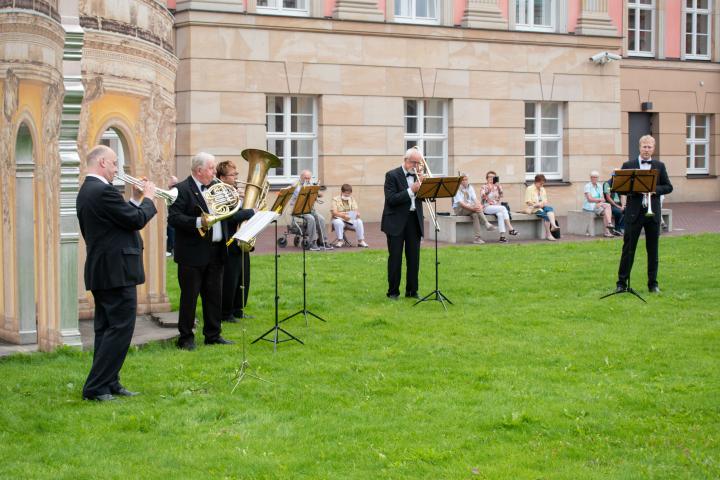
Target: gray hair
[413, 151]
[200, 160]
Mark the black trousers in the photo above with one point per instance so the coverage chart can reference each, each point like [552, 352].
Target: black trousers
[205, 281]
[236, 284]
[630, 241]
[410, 240]
[114, 323]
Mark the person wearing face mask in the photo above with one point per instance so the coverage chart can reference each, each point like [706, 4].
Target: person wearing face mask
[345, 214]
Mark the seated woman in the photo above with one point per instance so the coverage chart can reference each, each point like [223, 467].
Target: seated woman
[465, 202]
[536, 202]
[491, 194]
[595, 202]
[344, 211]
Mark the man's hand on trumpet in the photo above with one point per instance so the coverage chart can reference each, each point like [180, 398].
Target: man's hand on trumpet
[146, 190]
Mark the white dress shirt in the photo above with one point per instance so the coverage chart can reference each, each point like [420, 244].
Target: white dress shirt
[410, 181]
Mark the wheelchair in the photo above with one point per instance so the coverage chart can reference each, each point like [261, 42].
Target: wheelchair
[296, 228]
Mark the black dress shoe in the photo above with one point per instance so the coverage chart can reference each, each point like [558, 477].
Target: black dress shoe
[219, 341]
[393, 296]
[620, 289]
[229, 319]
[654, 289]
[412, 295]
[124, 392]
[105, 397]
[189, 346]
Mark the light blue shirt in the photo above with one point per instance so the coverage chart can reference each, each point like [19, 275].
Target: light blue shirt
[595, 191]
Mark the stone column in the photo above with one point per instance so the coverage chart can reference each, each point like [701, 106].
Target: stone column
[595, 20]
[25, 247]
[364, 10]
[69, 175]
[483, 14]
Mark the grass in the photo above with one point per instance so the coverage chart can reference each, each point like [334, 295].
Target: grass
[528, 375]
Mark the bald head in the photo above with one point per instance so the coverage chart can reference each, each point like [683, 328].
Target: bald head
[102, 161]
[305, 176]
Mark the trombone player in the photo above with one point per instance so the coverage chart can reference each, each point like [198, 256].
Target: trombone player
[200, 256]
[403, 222]
[236, 276]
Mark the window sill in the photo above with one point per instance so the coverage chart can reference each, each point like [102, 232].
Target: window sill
[550, 183]
[695, 176]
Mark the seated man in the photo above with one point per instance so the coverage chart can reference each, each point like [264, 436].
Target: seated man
[344, 211]
[315, 223]
[465, 202]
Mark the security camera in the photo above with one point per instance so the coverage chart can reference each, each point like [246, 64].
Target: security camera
[604, 57]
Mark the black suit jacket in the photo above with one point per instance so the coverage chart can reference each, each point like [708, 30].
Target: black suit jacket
[397, 204]
[109, 225]
[191, 248]
[634, 209]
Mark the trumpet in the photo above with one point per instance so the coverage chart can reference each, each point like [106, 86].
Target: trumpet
[424, 171]
[168, 195]
[648, 200]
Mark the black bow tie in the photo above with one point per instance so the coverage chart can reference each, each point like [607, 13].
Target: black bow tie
[203, 188]
[410, 174]
[645, 162]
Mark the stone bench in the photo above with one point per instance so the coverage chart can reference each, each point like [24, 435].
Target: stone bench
[581, 222]
[459, 228]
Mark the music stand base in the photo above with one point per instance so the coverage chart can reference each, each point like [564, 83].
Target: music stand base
[439, 297]
[627, 290]
[276, 338]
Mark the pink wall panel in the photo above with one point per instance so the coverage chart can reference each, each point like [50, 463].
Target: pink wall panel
[330, 4]
[503, 4]
[573, 14]
[673, 29]
[617, 14]
[459, 10]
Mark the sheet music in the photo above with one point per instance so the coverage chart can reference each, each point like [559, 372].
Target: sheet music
[255, 225]
[352, 214]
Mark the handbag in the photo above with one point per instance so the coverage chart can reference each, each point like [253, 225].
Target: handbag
[555, 233]
[507, 206]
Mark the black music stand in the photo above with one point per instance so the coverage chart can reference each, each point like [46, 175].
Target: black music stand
[303, 205]
[628, 182]
[279, 205]
[431, 189]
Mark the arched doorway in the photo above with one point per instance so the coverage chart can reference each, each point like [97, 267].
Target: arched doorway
[25, 235]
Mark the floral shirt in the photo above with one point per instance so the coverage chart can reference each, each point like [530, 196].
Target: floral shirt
[491, 194]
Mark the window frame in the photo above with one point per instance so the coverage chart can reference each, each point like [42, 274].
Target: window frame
[638, 7]
[531, 27]
[287, 137]
[538, 138]
[293, 12]
[420, 137]
[694, 11]
[692, 142]
[415, 20]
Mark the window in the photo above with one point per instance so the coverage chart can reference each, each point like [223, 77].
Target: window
[543, 140]
[534, 15]
[426, 127]
[697, 29]
[641, 21]
[417, 11]
[292, 136]
[698, 143]
[283, 7]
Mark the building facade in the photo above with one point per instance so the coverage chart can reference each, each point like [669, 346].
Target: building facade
[344, 87]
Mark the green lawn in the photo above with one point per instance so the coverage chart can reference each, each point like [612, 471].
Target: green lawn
[528, 375]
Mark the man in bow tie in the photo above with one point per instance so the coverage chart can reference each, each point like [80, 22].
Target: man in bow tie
[636, 220]
[200, 258]
[402, 222]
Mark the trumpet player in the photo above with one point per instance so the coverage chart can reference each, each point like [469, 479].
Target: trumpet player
[113, 266]
[637, 218]
[236, 276]
[200, 258]
[402, 222]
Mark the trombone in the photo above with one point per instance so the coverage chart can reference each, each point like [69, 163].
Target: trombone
[426, 172]
[168, 195]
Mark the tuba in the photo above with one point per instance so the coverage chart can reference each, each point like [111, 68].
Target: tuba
[257, 186]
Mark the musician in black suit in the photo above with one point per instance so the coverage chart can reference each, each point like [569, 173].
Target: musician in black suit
[402, 222]
[113, 267]
[236, 277]
[636, 220]
[200, 258]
